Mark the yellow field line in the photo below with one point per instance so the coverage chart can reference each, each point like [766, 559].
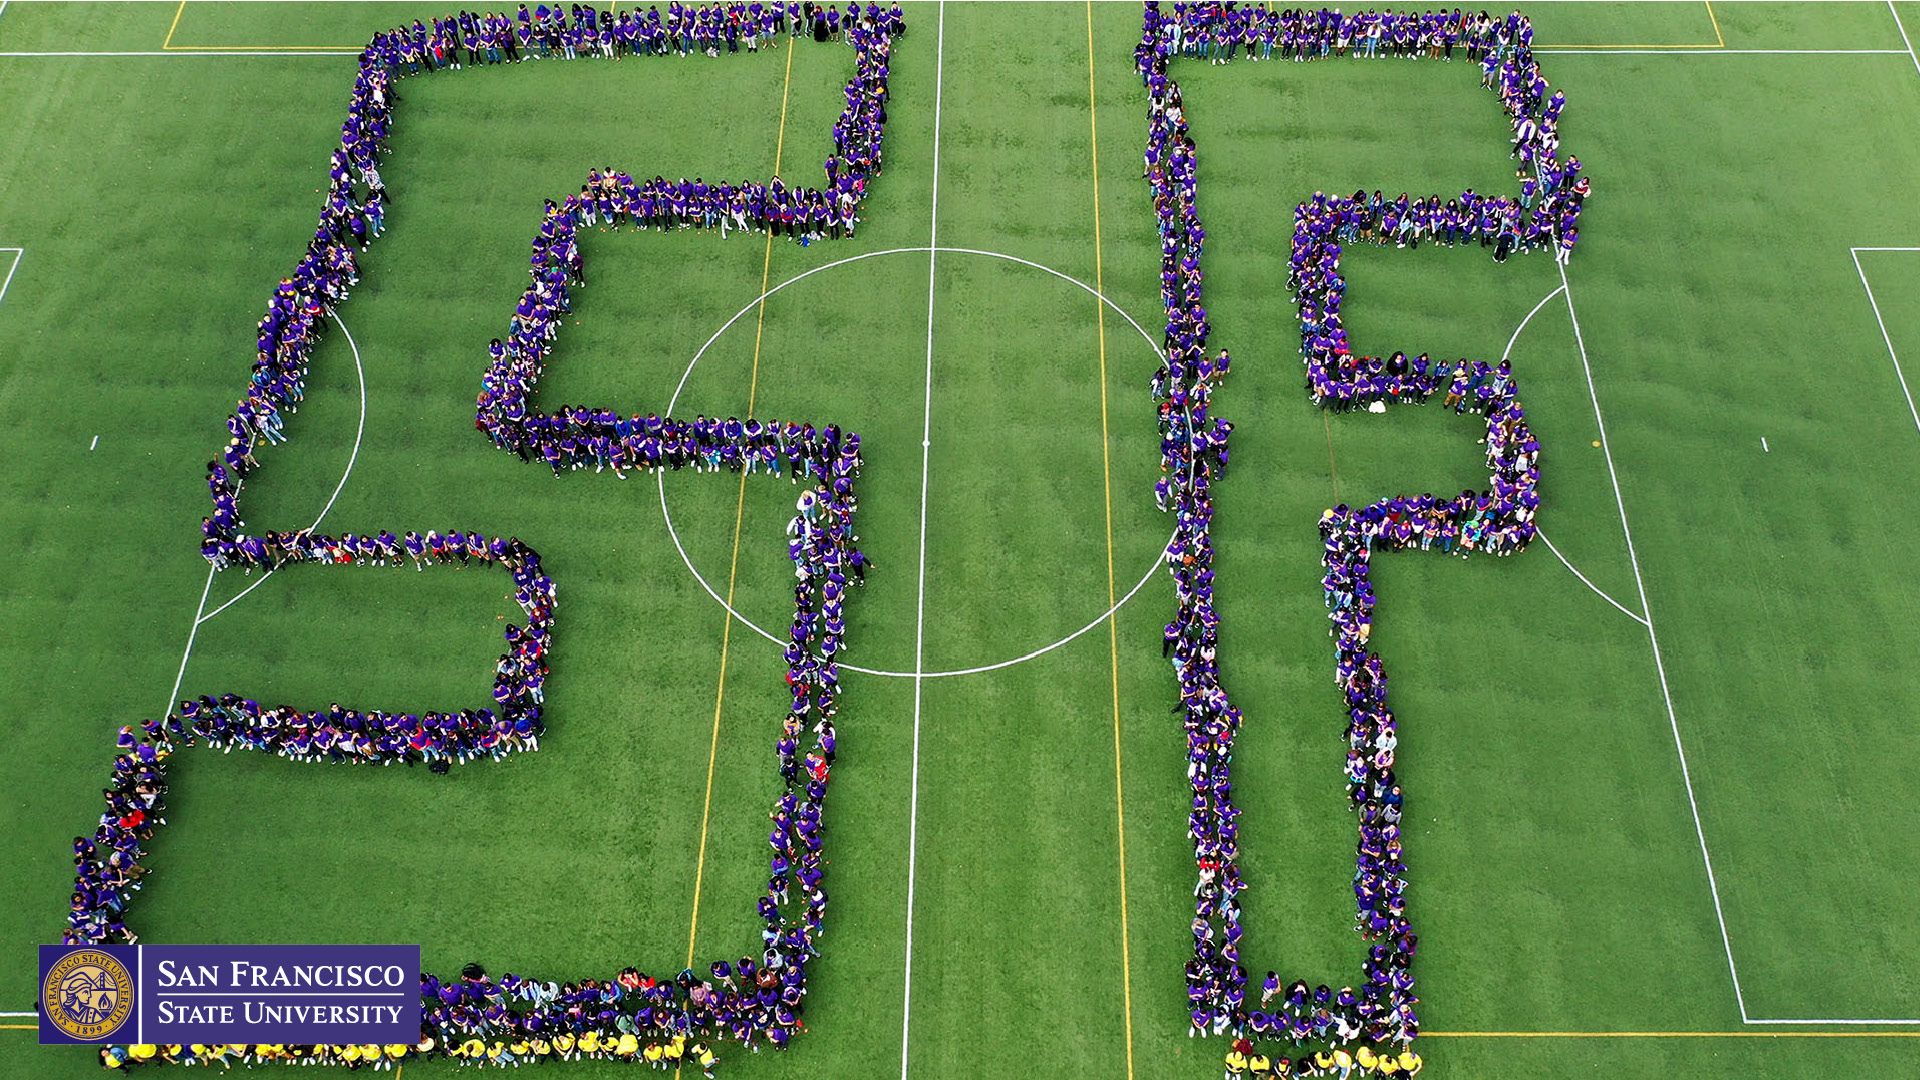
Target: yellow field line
[1719, 41]
[177, 12]
[1670, 1034]
[739, 515]
[344, 50]
[1545, 48]
[169, 46]
[19, 1027]
[1113, 618]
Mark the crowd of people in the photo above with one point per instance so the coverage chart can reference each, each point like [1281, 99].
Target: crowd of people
[580, 30]
[757, 1000]
[1371, 1028]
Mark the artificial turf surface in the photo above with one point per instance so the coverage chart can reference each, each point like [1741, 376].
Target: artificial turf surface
[1557, 877]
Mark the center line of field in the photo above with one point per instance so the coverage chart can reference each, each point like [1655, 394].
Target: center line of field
[739, 516]
[1113, 614]
[920, 601]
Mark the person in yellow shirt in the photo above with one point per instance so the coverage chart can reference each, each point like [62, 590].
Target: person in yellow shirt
[1259, 1066]
[1343, 1061]
[563, 1045]
[1236, 1064]
[628, 1045]
[589, 1042]
[705, 1057]
[676, 1050]
[1366, 1057]
[1410, 1063]
[655, 1055]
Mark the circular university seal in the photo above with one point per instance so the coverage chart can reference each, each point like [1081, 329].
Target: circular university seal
[88, 994]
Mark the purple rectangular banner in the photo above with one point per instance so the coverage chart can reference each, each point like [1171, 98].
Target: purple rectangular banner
[184, 994]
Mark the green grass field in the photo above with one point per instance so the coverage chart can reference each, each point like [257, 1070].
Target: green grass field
[157, 187]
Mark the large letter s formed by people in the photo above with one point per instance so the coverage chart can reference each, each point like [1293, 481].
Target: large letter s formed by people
[478, 1018]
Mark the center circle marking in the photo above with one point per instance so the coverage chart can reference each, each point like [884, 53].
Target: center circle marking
[802, 276]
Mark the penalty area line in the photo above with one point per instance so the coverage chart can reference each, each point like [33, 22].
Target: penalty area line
[18, 254]
[1898, 371]
[1653, 639]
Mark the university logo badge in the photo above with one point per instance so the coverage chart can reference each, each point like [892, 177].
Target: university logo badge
[87, 994]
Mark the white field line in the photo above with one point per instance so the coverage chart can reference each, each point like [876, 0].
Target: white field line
[1751, 1020]
[1508, 351]
[1505, 353]
[18, 254]
[193, 631]
[1884, 336]
[352, 457]
[1721, 52]
[1583, 578]
[920, 603]
[1672, 719]
[1659, 664]
[1895, 12]
[674, 533]
[17, 1013]
[177, 52]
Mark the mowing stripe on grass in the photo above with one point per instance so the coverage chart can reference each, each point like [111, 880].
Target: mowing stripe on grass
[1672, 717]
[168, 45]
[1718, 42]
[920, 601]
[739, 516]
[1884, 336]
[1113, 619]
[1659, 664]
